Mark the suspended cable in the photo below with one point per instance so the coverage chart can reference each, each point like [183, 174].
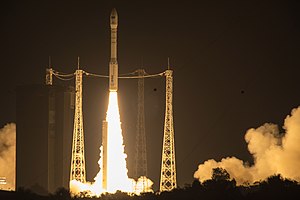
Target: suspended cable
[126, 77]
[67, 77]
[96, 75]
[63, 79]
[144, 76]
[63, 75]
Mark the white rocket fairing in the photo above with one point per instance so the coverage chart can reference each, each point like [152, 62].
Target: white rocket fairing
[113, 64]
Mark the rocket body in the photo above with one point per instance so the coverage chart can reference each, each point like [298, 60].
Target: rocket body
[113, 87]
[113, 64]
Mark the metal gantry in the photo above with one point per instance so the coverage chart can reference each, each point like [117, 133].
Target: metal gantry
[168, 165]
[78, 160]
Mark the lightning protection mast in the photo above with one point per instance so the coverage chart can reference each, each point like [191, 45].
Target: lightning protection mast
[168, 167]
[78, 160]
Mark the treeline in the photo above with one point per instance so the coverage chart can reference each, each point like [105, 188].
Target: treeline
[219, 187]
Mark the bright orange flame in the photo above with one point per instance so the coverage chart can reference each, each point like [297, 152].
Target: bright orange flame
[117, 178]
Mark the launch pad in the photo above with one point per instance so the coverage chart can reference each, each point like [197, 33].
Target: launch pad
[113, 162]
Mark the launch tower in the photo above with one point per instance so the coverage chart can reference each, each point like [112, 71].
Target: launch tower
[78, 160]
[168, 167]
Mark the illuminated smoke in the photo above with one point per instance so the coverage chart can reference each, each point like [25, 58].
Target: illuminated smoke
[117, 178]
[7, 156]
[273, 153]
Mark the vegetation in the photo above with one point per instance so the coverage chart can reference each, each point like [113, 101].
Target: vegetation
[219, 187]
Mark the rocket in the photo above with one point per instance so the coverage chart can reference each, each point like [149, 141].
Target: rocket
[113, 87]
[113, 64]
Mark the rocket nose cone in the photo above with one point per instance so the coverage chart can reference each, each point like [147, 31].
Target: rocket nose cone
[114, 12]
[114, 18]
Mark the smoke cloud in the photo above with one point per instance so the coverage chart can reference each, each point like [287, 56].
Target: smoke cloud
[7, 156]
[273, 153]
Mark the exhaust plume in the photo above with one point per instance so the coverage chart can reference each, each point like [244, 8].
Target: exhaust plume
[117, 177]
[7, 156]
[273, 153]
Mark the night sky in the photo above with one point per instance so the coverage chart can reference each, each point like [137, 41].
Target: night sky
[236, 66]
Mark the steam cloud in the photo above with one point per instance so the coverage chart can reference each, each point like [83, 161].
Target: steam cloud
[273, 153]
[8, 156]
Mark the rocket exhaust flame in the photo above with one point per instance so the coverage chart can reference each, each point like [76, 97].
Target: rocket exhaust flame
[116, 170]
[117, 178]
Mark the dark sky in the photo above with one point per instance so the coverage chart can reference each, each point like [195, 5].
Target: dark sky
[236, 66]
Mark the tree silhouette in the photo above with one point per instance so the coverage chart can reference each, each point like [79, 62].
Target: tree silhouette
[62, 194]
[221, 186]
[220, 174]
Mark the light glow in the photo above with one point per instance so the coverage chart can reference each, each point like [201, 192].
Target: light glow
[117, 178]
[117, 172]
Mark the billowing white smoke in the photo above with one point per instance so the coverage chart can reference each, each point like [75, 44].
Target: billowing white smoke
[273, 153]
[7, 156]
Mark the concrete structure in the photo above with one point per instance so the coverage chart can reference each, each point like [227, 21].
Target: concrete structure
[44, 135]
[140, 168]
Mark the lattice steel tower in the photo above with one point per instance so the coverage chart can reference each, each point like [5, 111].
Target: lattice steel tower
[78, 161]
[168, 167]
[140, 145]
